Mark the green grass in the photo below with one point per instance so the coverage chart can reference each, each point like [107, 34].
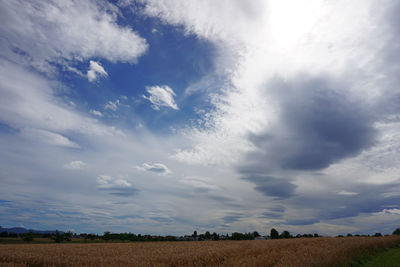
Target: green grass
[389, 257]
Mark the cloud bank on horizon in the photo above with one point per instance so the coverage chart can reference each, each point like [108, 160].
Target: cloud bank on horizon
[168, 116]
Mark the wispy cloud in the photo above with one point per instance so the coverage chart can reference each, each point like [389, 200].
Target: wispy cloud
[79, 30]
[95, 70]
[112, 105]
[96, 113]
[161, 96]
[48, 137]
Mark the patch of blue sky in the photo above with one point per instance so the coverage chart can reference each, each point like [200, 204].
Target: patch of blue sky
[173, 58]
[5, 203]
[7, 129]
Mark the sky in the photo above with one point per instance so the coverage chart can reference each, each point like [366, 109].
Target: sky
[165, 117]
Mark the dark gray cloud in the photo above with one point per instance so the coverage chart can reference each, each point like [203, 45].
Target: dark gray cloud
[232, 218]
[162, 219]
[273, 213]
[369, 198]
[226, 201]
[319, 125]
[122, 191]
[279, 188]
[303, 221]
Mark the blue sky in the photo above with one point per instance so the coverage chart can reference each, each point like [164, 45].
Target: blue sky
[165, 117]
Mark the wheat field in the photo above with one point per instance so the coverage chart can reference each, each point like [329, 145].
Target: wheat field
[283, 252]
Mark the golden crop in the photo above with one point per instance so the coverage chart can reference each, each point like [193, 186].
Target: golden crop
[283, 252]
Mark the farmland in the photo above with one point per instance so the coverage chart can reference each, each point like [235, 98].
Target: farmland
[282, 252]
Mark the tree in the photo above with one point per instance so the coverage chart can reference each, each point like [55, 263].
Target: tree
[215, 236]
[194, 234]
[58, 238]
[28, 237]
[237, 236]
[207, 235]
[90, 237]
[255, 234]
[285, 234]
[274, 234]
[67, 236]
[396, 232]
[107, 236]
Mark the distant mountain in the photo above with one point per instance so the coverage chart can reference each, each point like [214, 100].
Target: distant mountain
[22, 230]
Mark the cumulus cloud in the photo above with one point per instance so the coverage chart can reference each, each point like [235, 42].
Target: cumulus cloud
[95, 70]
[79, 30]
[75, 165]
[158, 168]
[161, 96]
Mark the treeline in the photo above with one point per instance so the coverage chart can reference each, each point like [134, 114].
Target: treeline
[60, 237]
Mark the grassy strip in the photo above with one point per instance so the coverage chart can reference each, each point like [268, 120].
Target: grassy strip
[388, 257]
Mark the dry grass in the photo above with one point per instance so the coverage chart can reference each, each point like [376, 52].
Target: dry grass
[287, 252]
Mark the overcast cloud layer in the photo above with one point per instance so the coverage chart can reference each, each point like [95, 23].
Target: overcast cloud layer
[166, 117]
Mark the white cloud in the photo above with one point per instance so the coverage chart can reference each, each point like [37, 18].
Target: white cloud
[75, 165]
[27, 101]
[48, 137]
[285, 39]
[215, 20]
[115, 186]
[347, 193]
[161, 96]
[263, 40]
[390, 211]
[96, 113]
[95, 70]
[106, 181]
[199, 182]
[79, 30]
[112, 105]
[158, 168]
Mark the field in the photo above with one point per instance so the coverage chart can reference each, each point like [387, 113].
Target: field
[282, 252]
